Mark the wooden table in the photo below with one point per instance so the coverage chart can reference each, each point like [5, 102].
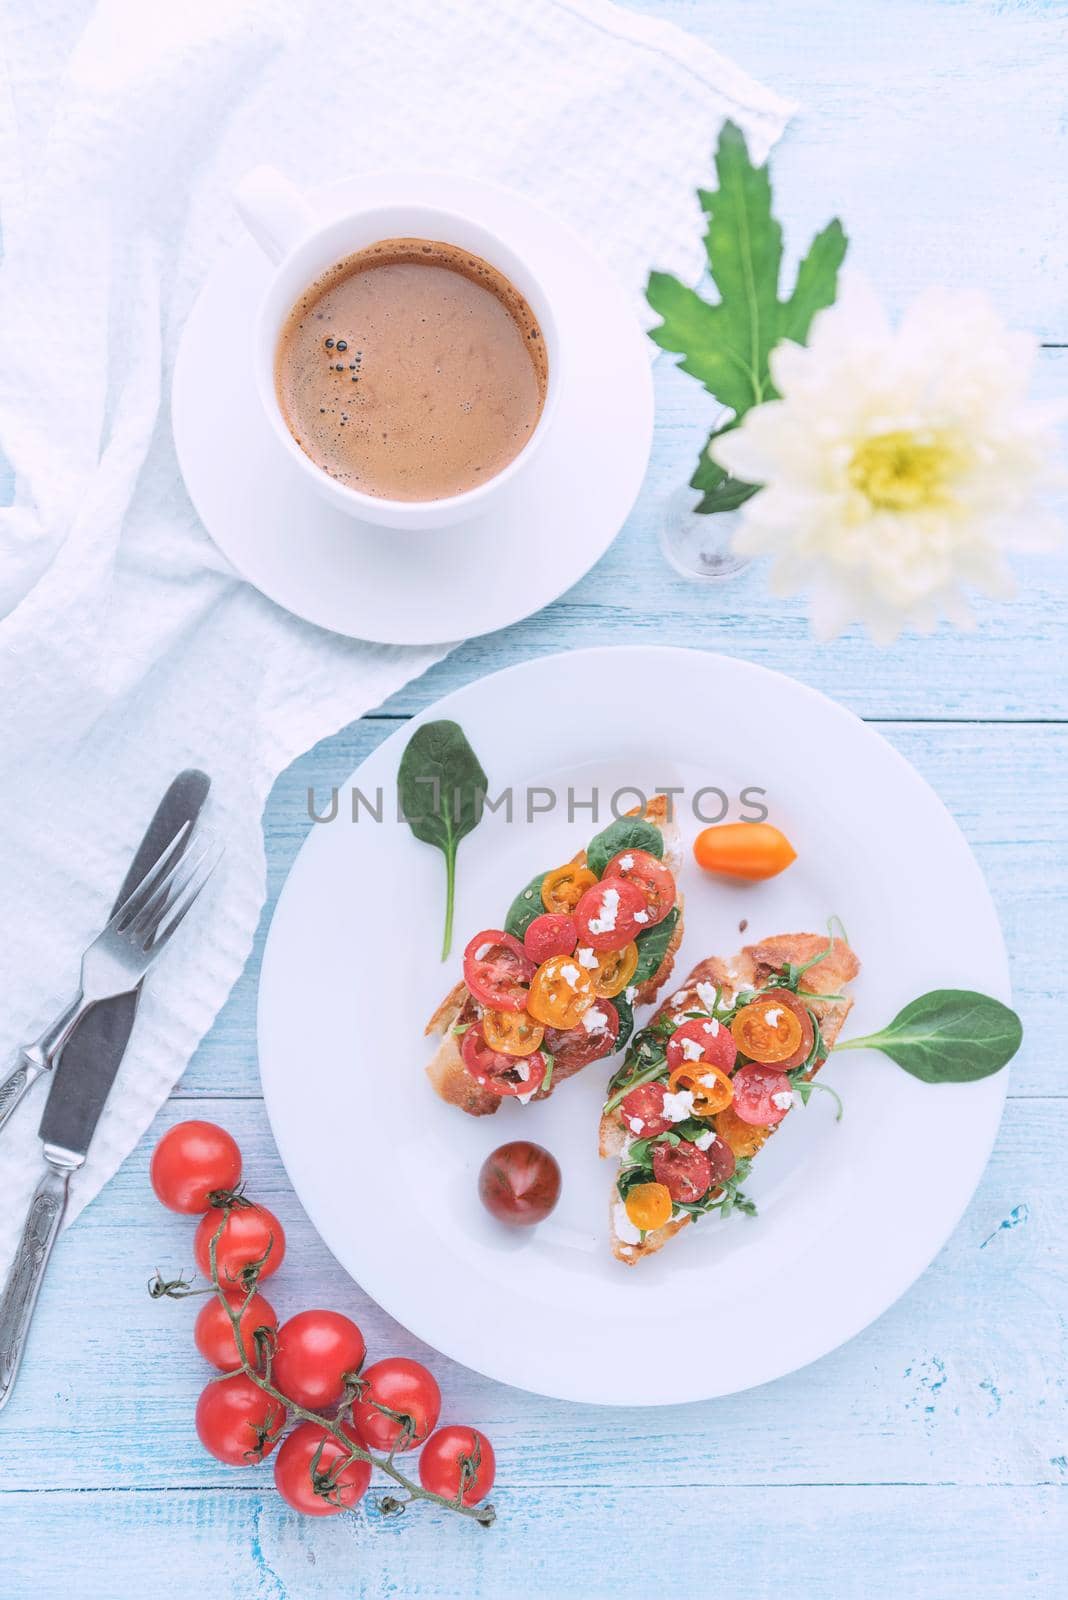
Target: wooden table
[929, 1457]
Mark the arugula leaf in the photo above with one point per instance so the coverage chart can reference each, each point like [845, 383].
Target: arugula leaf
[525, 907]
[652, 947]
[626, 833]
[726, 345]
[948, 1036]
[442, 790]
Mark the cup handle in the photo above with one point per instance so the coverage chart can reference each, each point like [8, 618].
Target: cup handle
[274, 211]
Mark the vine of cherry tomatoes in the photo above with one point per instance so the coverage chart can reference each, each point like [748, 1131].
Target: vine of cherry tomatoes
[309, 1368]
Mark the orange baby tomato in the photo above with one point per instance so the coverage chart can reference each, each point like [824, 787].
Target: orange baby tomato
[766, 1030]
[743, 1138]
[563, 888]
[648, 1205]
[614, 970]
[712, 1089]
[561, 992]
[512, 1033]
[751, 850]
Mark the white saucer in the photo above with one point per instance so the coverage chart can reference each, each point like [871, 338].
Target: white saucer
[427, 588]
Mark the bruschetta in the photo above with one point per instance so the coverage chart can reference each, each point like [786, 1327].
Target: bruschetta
[554, 988]
[711, 1076]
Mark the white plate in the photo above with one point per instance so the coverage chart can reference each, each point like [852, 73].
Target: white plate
[850, 1213]
[453, 583]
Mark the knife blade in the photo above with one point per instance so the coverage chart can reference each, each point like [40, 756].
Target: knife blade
[82, 1079]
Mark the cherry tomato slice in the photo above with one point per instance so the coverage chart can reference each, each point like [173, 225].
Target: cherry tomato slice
[683, 1169]
[762, 1094]
[497, 970]
[711, 1088]
[767, 1030]
[551, 934]
[512, 1033]
[701, 1039]
[785, 997]
[611, 914]
[742, 1138]
[720, 1159]
[560, 992]
[523, 1075]
[563, 888]
[611, 970]
[648, 1205]
[642, 1110]
[574, 1048]
[656, 882]
[480, 1061]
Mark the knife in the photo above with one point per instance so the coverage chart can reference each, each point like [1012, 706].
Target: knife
[81, 1081]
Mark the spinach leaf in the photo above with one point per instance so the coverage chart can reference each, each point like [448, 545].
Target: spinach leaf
[626, 1020]
[652, 947]
[525, 907]
[628, 833]
[442, 789]
[948, 1036]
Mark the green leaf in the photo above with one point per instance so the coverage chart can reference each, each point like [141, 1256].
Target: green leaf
[727, 344]
[948, 1036]
[652, 947]
[628, 833]
[625, 1012]
[442, 790]
[525, 907]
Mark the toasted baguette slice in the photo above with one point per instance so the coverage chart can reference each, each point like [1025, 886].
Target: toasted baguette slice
[750, 969]
[447, 1072]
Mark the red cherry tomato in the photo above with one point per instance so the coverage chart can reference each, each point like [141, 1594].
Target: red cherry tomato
[519, 1183]
[248, 1234]
[192, 1161]
[306, 1473]
[317, 1351]
[642, 1110]
[611, 914]
[238, 1423]
[405, 1388]
[552, 934]
[720, 1159]
[756, 1090]
[701, 1039]
[454, 1455]
[685, 1171]
[594, 1037]
[655, 881]
[214, 1333]
[497, 971]
[501, 1074]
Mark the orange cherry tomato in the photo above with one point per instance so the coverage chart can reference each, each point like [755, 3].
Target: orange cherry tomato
[750, 850]
[743, 1138]
[648, 1205]
[712, 1089]
[563, 888]
[614, 970]
[767, 1030]
[561, 992]
[513, 1033]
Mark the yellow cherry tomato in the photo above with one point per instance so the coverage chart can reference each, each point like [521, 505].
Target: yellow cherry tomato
[561, 992]
[749, 850]
[711, 1088]
[513, 1033]
[563, 888]
[766, 1030]
[743, 1138]
[648, 1205]
[614, 969]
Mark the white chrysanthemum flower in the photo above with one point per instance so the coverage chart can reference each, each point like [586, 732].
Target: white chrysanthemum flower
[899, 465]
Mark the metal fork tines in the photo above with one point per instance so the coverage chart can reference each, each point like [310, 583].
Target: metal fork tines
[122, 952]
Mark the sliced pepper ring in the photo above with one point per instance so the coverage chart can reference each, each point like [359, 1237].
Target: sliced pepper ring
[712, 1089]
[648, 1206]
[563, 887]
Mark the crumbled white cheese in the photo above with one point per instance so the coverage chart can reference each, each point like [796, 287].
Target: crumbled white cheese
[606, 922]
[711, 1028]
[626, 1232]
[677, 1107]
[636, 1125]
[571, 975]
[706, 993]
[523, 1069]
[626, 862]
[641, 916]
[630, 994]
[703, 1140]
[772, 1017]
[691, 1049]
[587, 958]
[594, 1020]
[525, 1099]
[784, 1100]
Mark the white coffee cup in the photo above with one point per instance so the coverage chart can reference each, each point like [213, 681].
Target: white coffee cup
[302, 246]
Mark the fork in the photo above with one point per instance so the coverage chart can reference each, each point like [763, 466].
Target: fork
[121, 953]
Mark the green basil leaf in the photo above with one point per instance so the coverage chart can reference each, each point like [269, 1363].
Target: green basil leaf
[625, 1012]
[652, 947]
[442, 790]
[948, 1036]
[525, 907]
[628, 833]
